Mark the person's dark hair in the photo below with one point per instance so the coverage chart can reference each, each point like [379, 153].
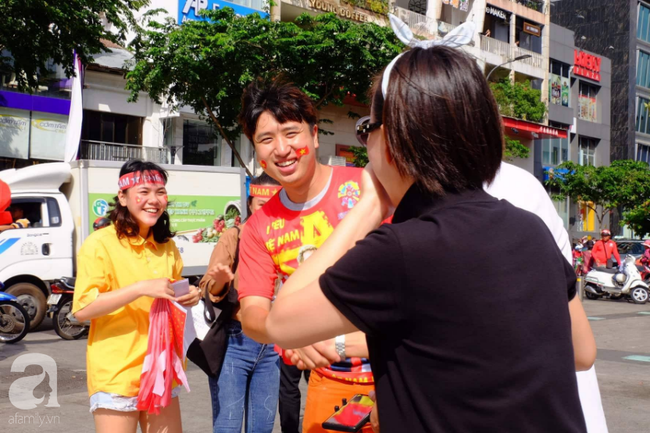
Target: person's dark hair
[441, 122]
[284, 101]
[263, 179]
[125, 224]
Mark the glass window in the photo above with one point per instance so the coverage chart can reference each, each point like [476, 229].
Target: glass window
[587, 151]
[642, 23]
[642, 124]
[555, 151]
[587, 102]
[29, 208]
[642, 72]
[562, 208]
[53, 211]
[201, 144]
[111, 127]
[643, 153]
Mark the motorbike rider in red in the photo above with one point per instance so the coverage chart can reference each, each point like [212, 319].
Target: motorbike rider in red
[604, 249]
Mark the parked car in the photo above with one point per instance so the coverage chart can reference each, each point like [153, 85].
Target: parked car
[633, 247]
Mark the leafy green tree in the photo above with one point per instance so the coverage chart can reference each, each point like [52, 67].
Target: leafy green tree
[207, 64]
[638, 219]
[519, 100]
[514, 149]
[623, 184]
[35, 31]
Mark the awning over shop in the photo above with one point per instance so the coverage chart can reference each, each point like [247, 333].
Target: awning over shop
[522, 129]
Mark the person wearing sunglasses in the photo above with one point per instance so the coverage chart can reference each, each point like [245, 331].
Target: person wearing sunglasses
[491, 348]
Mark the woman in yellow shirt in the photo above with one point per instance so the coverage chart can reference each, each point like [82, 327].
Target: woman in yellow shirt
[120, 270]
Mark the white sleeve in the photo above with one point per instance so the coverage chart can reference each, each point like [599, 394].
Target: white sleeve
[524, 191]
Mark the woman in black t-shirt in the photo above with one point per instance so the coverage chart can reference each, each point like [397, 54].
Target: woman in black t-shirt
[454, 348]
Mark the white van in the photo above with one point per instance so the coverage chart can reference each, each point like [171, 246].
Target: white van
[62, 201]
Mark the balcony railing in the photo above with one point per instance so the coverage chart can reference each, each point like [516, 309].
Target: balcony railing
[535, 59]
[495, 46]
[105, 151]
[422, 25]
[419, 24]
[537, 5]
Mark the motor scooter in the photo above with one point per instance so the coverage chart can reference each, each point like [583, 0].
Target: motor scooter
[14, 320]
[60, 302]
[617, 283]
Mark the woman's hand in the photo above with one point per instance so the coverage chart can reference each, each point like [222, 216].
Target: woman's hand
[158, 288]
[192, 298]
[222, 275]
[372, 189]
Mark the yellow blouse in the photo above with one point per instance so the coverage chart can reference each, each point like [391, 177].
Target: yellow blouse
[117, 342]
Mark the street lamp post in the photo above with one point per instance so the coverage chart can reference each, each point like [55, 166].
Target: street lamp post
[522, 57]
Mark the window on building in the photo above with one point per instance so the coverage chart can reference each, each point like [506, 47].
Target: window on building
[643, 69]
[643, 23]
[525, 37]
[111, 128]
[642, 124]
[587, 102]
[562, 208]
[643, 152]
[559, 83]
[201, 144]
[587, 151]
[555, 151]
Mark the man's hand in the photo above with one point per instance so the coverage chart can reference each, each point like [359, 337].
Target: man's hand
[374, 414]
[317, 355]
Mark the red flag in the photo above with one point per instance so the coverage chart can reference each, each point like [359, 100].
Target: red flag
[163, 363]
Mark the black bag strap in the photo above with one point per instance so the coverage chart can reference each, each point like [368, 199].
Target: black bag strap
[208, 307]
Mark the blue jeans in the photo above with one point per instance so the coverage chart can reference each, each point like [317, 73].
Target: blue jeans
[250, 379]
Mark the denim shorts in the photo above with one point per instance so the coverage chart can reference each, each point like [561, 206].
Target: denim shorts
[120, 403]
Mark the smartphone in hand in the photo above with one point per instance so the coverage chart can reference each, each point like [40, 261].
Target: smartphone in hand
[352, 416]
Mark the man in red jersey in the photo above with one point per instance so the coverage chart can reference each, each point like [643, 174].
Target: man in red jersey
[281, 122]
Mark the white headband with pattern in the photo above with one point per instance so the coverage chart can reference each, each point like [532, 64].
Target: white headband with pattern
[458, 37]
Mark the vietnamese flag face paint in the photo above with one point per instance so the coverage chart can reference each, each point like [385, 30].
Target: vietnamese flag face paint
[263, 164]
[302, 151]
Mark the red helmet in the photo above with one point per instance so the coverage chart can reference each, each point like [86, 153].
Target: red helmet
[100, 223]
[605, 232]
[647, 243]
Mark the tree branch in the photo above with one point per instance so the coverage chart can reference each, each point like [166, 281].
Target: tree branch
[327, 95]
[225, 137]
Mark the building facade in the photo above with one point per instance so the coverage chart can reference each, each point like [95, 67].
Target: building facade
[506, 30]
[580, 102]
[619, 30]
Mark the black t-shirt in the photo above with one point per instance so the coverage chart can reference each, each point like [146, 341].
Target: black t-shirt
[466, 319]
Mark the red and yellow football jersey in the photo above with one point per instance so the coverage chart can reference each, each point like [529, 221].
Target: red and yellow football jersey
[281, 235]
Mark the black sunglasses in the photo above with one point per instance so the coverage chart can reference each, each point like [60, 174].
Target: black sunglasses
[364, 128]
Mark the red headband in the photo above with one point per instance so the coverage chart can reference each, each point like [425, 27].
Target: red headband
[130, 180]
[265, 191]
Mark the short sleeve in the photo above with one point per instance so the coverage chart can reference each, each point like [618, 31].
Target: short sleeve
[256, 269]
[365, 284]
[570, 279]
[93, 273]
[177, 267]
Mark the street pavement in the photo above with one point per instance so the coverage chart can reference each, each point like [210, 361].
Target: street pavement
[622, 333]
